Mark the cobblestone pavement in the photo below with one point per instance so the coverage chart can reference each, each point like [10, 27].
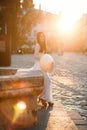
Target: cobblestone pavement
[69, 79]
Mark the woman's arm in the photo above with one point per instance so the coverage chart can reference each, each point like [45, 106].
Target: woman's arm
[36, 52]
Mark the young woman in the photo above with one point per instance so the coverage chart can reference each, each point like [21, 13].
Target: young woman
[40, 49]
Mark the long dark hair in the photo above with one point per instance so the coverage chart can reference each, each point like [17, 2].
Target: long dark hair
[42, 44]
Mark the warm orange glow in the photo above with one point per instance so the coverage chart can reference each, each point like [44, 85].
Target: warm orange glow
[76, 6]
[21, 105]
[71, 11]
[67, 24]
[18, 110]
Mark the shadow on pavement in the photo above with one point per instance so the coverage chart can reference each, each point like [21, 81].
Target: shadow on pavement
[43, 117]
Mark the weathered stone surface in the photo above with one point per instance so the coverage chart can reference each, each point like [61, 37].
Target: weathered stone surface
[21, 84]
[20, 87]
[7, 71]
[74, 115]
[60, 119]
[81, 127]
[80, 122]
[13, 115]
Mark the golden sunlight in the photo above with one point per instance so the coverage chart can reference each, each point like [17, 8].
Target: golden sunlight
[66, 24]
[18, 110]
[21, 105]
[68, 21]
[71, 11]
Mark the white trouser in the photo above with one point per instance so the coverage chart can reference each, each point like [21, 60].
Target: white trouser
[47, 91]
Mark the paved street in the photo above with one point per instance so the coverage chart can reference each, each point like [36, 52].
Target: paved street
[69, 81]
[69, 78]
[69, 85]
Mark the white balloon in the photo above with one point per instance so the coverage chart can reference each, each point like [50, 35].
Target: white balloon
[47, 63]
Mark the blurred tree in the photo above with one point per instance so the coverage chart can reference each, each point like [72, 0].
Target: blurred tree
[27, 4]
[24, 23]
[14, 11]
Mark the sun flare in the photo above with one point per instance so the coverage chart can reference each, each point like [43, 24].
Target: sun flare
[71, 11]
[67, 23]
